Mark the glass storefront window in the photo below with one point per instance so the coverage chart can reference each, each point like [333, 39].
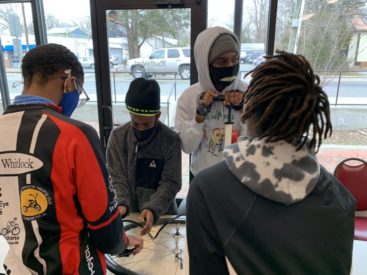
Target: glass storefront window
[253, 34]
[152, 44]
[71, 27]
[221, 13]
[332, 36]
[17, 38]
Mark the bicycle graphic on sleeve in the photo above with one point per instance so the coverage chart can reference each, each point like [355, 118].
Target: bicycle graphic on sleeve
[12, 227]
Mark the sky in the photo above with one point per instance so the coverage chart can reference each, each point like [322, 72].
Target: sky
[219, 12]
[67, 10]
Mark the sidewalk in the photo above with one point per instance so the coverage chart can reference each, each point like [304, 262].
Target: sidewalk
[330, 155]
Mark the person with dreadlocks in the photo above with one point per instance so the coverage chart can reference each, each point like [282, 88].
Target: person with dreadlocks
[270, 207]
[61, 211]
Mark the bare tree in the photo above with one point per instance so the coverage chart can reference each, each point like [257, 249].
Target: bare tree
[139, 25]
[85, 25]
[286, 8]
[53, 22]
[131, 24]
[259, 19]
[255, 21]
[326, 33]
[9, 20]
[324, 28]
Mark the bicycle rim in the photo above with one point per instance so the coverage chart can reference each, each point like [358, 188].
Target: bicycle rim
[159, 256]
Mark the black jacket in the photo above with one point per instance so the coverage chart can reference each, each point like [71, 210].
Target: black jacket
[225, 218]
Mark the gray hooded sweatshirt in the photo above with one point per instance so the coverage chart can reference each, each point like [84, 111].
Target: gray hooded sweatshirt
[205, 141]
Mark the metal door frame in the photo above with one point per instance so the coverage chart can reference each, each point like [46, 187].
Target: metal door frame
[100, 44]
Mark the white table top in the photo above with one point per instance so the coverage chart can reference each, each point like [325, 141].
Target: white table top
[359, 264]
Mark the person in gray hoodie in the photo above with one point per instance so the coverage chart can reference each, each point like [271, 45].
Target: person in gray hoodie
[144, 157]
[270, 207]
[200, 120]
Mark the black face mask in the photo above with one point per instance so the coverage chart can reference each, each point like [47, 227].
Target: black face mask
[224, 76]
[142, 135]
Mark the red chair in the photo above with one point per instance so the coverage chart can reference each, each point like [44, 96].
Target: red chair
[352, 173]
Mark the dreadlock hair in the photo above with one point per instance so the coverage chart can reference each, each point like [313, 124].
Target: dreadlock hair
[287, 102]
[49, 59]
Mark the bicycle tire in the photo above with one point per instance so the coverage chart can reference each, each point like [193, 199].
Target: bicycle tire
[114, 267]
[117, 269]
[155, 246]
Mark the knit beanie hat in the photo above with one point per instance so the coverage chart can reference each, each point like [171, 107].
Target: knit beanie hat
[143, 97]
[224, 43]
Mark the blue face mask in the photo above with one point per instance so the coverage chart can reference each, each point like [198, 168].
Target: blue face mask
[69, 102]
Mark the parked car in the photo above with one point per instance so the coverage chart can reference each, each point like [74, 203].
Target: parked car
[252, 55]
[258, 60]
[87, 62]
[162, 61]
[113, 60]
[243, 55]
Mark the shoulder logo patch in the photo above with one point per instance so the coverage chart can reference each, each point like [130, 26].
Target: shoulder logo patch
[34, 202]
[152, 164]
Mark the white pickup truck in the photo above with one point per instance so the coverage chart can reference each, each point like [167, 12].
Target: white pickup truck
[162, 61]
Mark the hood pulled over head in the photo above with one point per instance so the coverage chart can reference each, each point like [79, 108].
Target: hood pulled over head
[202, 52]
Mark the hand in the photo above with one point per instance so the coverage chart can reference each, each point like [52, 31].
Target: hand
[206, 98]
[137, 242]
[234, 97]
[122, 209]
[146, 215]
[203, 104]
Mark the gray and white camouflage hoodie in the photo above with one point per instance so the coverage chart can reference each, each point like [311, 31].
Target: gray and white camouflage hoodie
[274, 170]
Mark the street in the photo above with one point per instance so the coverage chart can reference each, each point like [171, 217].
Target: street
[352, 89]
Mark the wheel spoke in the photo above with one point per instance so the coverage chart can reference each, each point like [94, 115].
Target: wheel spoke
[165, 252]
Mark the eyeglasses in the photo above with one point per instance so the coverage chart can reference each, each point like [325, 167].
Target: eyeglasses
[83, 98]
[16, 83]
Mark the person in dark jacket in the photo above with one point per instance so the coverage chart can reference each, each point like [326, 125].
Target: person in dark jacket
[144, 157]
[270, 207]
[61, 213]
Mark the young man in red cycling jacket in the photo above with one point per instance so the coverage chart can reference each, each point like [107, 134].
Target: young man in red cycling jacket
[59, 211]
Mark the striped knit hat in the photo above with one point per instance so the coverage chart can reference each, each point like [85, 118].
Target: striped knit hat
[143, 97]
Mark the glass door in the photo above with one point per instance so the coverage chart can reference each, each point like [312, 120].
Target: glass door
[152, 43]
[17, 37]
[143, 38]
[147, 38]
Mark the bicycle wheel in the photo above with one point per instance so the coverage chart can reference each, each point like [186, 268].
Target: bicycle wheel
[162, 253]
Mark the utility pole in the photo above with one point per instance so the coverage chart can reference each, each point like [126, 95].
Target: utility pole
[296, 26]
[25, 28]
